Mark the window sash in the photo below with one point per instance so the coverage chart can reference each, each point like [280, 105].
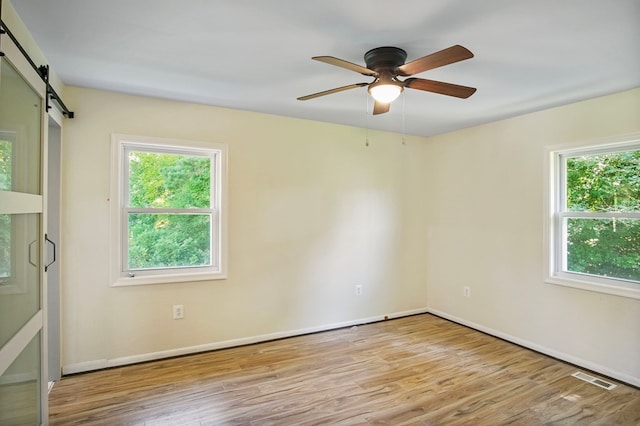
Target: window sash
[214, 241]
[127, 148]
[599, 215]
[160, 210]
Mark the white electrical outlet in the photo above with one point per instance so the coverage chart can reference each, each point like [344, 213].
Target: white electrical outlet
[358, 290]
[178, 312]
[466, 291]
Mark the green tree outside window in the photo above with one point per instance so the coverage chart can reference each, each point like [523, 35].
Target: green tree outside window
[604, 183]
[165, 227]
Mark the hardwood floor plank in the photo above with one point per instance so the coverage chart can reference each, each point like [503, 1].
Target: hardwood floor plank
[414, 370]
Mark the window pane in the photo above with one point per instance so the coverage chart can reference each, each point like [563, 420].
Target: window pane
[6, 242]
[19, 272]
[164, 180]
[6, 162]
[169, 240]
[604, 182]
[20, 108]
[604, 247]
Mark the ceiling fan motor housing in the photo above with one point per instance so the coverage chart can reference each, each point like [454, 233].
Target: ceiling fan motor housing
[385, 58]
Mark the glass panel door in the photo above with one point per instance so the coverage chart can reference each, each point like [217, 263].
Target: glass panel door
[22, 380]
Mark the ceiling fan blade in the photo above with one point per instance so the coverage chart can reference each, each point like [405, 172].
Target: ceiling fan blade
[330, 91]
[345, 64]
[380, 108]
[444, 57]
[440, 87]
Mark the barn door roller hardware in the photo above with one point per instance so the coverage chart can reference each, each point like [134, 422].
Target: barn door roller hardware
[43, 72]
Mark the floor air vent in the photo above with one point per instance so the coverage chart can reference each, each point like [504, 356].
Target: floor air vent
[594, 380]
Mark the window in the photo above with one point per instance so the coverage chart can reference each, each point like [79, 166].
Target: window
[15, 261]
[6, 176]
[168, 210]
[594, 222]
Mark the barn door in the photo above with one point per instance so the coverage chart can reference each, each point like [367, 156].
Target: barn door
[23, 380]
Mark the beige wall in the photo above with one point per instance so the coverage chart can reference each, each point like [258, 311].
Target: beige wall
[485, 230]
[313, 212]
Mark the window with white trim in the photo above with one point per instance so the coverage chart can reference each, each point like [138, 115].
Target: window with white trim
[168, 210]
[594, 222]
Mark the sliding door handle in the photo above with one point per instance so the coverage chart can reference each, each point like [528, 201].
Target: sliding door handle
[46, 239]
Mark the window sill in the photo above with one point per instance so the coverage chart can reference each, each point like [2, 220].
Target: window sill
[612, 287]
[168, 279]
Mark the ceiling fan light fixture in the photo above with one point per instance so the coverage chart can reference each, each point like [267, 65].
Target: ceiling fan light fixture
[385, 92]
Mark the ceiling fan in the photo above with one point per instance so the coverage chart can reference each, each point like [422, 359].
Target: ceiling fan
[386, 64]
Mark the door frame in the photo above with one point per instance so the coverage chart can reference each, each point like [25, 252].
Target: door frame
[54, 234]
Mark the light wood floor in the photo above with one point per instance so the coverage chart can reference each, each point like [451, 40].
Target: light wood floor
[415, 370]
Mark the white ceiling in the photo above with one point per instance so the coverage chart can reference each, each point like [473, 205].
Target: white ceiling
[255, 54]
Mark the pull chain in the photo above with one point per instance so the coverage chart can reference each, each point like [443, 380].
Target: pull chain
[366, 119]
[403, 110]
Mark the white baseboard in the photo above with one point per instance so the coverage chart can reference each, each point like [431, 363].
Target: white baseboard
[635, 381]
[81, 367]
[99, 364]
